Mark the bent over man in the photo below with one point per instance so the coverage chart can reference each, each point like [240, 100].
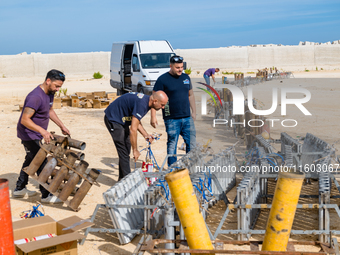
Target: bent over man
[126, 111]
[210, 72]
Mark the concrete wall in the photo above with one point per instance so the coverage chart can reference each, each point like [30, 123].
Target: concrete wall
[289, 58]
[16, 65]
[37, 64]
[224, 57]
[292, 58]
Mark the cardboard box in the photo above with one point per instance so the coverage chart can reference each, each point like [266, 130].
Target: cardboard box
[100, 94]
[66, 101]
[87, 103]
[90, 96]
[96, 103]
[104, 104]
[111, 95]
[65, 243]
[57, 103]
[75, 101]
[81, 94]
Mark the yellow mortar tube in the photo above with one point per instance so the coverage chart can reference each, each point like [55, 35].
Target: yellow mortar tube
[187, 207]
[281, 216]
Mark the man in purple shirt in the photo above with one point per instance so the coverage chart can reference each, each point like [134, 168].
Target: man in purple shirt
[32, 127]
[208, 73]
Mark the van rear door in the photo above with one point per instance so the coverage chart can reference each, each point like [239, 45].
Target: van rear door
[115, 64]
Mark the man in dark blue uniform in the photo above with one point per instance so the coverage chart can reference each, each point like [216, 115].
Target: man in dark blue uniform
[176, 114]
[126, 111]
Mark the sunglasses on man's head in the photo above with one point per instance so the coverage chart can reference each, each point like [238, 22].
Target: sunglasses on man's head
[176, 59]
[60, 75]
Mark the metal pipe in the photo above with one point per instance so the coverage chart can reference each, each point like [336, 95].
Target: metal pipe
[73, 180]
[6, 233]
[38, 159]
[188, 211]
[281, 216]
[63, 171]
[47, 170]
[169, 231]
[80, 155]
[56, 171]
[84, 188]
[71, 142]
[182, 237]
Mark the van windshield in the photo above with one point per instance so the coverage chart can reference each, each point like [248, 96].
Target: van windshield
[156, 60]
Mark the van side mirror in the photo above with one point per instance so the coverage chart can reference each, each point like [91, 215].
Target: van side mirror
[184, 65]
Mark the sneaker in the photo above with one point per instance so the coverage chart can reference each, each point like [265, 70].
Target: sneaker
[182, 147]
[51, 200]
[23, 192]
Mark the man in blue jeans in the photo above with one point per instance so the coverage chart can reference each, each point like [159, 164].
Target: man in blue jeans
[210, 72]
[177, 117]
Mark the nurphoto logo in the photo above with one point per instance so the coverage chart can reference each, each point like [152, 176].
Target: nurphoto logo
[239, 99]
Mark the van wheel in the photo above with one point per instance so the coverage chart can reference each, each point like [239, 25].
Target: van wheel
[140, 89]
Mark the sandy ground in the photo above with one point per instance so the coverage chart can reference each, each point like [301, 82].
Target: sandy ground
[87, 125]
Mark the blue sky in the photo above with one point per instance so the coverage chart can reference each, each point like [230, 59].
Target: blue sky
[83, 26]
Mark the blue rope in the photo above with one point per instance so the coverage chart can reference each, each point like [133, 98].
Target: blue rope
[277, 155]
[255, 156]
[208, 187]
[197, 188]
[149, 154]
[35, 212]
[201, 191]
[166, 190]
[153, 157]
[271, 162]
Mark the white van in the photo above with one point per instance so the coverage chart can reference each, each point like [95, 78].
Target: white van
[136, 65]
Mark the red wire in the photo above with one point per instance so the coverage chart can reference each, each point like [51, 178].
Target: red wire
[153, 213]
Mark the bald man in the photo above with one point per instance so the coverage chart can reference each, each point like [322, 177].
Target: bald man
[123, 119]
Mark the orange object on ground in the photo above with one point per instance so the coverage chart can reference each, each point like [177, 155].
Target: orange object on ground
[6, 233]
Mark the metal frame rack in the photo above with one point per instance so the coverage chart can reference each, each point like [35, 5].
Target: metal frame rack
[253, 188]
[132, 204]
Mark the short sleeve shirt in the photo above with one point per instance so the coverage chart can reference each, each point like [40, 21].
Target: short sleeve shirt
[177, 89]
[210, 72]
[126, 106]
[38, 100]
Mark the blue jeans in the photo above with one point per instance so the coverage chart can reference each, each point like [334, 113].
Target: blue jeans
[207, 79]
[175, 127]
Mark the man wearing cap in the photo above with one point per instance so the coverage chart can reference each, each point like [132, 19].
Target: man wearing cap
[123, 119]
[177, 117]
[210, 72]
[32, 127]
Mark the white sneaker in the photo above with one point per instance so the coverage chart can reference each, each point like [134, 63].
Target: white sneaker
[51, 200]
[182, 147]
[23, 192]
